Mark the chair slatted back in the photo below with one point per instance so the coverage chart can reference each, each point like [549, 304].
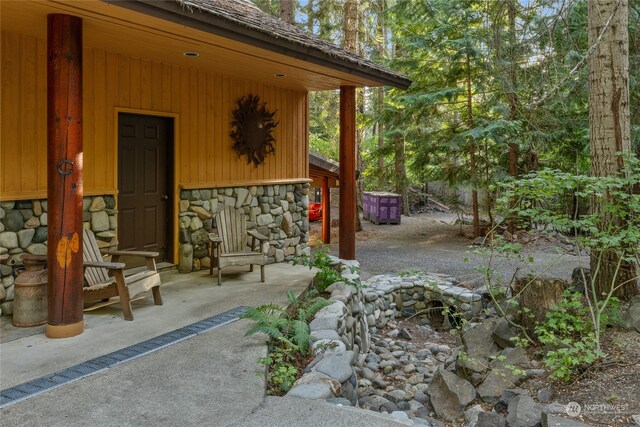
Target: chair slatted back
[91, 252]
[232, 228]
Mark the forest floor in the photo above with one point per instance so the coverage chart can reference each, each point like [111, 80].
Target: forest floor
[433, 242]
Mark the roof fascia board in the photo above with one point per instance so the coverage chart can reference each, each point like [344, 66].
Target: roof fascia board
[173, 12]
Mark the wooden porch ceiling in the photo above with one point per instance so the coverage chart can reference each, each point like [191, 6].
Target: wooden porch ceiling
[116, 29]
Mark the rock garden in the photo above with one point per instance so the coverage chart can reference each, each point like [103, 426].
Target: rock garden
[425, 351]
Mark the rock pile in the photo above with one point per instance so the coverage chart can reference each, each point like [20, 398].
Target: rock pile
[433, 383]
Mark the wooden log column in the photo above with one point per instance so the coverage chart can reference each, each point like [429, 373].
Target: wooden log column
[347, 247]
[326, 211]
[64, 173]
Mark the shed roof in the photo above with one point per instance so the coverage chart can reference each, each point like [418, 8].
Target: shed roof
[242, 21]
[323, 166]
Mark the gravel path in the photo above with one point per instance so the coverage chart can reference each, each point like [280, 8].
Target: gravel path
[432, 242]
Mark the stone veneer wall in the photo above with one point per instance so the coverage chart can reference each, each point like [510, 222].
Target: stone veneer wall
[23, 229]
[341, 331]
[279, 212]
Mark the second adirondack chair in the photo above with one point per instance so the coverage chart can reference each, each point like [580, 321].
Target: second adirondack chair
[232, 248]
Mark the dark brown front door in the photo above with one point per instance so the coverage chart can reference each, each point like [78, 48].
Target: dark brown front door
[143, 183]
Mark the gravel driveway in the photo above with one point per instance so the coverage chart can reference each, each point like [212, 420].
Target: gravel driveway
[432, 242]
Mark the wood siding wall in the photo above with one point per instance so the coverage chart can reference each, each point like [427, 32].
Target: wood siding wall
[201, 101]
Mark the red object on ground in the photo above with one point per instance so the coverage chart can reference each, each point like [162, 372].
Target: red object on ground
[315, 211]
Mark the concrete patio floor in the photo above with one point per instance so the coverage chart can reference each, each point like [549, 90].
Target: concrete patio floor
[188, 298]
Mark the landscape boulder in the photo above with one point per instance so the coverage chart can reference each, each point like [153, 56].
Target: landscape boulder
[450, 394]
[507, 371]
[523, 412]
[631, 319]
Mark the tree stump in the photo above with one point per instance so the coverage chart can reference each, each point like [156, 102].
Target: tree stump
[538, 295]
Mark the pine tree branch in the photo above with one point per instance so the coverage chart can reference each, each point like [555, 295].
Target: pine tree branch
[582, 62]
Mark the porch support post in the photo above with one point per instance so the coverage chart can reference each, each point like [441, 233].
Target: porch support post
[64, 175]
[326, 211]
[347, 249]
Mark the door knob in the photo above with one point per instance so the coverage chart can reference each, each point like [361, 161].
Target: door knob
[165, 197]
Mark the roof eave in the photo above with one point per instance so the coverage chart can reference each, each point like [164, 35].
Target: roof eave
[173, 12]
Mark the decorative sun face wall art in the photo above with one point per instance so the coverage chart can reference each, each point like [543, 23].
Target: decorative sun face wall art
[252, 129]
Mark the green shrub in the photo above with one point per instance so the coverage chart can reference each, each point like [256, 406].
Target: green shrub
[570, 334]
[327, 274]
[279, 361]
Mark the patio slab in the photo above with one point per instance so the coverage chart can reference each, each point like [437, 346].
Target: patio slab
[188, 298]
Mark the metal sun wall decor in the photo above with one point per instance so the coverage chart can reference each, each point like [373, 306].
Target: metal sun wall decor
[252, 129]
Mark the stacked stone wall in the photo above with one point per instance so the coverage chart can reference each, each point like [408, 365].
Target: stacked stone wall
[342, 331]
[23, 230]
[279, 212]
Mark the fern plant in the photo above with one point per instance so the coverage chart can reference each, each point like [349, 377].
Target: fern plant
[290, 323]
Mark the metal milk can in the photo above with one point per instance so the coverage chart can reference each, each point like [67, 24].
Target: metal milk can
[30, 298]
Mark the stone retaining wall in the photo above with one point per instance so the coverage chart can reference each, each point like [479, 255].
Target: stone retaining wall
[342, 330]
[23, 229]
[391, 296]
[279, 212]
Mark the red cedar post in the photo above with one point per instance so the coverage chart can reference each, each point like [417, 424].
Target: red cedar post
[64, 175]
[347, 248]
[326, 211]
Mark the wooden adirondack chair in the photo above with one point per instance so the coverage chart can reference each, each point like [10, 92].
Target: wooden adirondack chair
[104, 280]
[231, 248]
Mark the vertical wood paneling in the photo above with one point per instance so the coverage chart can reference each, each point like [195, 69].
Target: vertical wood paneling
[185, 125]
[218, 128]
[41, 113]
[165, 88]
[226, 118]
[145, 85]
[124, 81]
[97, 135]
[28, 116]
[209, 117]
[202, 100]
[109, 129]
[202, 127]
[88, 113]
[135, 83]
[194, 159]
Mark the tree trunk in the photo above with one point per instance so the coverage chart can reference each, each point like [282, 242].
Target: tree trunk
[538, 295]
[286, 11]
[513, 100]
[513, 104]
[382, 40]
[609, 129]
[472, 154]
[401, 173]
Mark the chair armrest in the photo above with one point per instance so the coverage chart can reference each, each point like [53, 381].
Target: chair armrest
[257, 235]
[133, 253]
[109, 265]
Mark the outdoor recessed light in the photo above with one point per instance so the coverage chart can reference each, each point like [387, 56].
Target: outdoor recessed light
[191, 54]
[280, 75]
